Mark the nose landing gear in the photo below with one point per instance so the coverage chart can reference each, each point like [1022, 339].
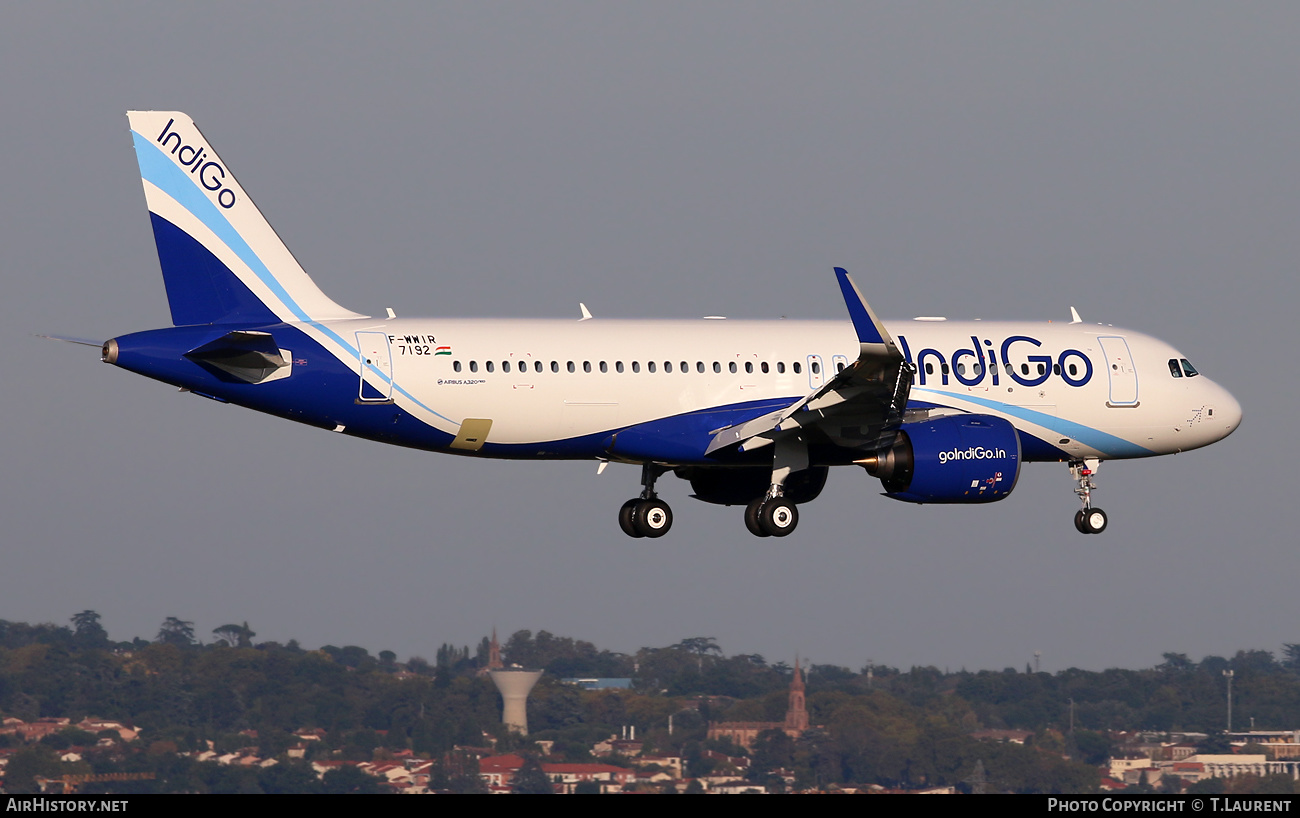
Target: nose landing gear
[1087, 520]
[647, 515]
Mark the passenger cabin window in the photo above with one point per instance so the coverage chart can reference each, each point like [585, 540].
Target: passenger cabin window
[929, 368]
[537, 367]
[571, 366]
[603, 367]
[505, 366]
[749, 368]
[489, 366]
[618, 367]
[797, 367]
[764, 367]
[473, 366]
[586, 366]
[780, 367]
[732, 366]
[1173, 368]
[455, 365]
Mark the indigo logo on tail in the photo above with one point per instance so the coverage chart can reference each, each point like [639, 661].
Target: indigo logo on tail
[211, 175]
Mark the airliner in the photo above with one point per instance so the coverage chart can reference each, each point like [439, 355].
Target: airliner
[750, 413]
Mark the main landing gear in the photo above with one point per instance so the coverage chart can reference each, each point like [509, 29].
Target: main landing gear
[772, 515]
[1087, 520]
[647, 515]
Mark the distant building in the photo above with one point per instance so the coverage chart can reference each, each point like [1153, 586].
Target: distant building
[1279, 745]
[745, 733]
[996, 736]
[600, 683]
[498, 773]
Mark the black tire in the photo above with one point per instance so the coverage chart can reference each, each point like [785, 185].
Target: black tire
[627, 518]
[1095, 520]
[1078, 522]
[753, 512]
[653, 518]
[779, 517]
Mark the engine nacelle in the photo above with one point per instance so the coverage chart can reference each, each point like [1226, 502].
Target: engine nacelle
[953, 459]
[737, 486]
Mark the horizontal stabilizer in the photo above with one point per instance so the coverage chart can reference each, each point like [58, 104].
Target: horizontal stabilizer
[85, 342]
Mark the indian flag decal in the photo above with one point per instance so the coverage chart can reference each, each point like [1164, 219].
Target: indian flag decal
[442, 351]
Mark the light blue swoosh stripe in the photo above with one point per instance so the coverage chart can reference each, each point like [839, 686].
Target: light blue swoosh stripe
[166, 175]
[1094, 438]
[160, 171]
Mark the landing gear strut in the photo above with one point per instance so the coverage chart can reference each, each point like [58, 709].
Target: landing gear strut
[1087, 520]
[647, 515]
[772, 515]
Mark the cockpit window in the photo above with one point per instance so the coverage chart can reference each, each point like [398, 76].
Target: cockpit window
[1173, 368]
[1188, 369]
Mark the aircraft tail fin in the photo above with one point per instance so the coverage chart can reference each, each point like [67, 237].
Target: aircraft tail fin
[221, 260]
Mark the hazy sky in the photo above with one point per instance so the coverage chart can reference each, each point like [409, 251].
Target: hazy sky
[1137, 161]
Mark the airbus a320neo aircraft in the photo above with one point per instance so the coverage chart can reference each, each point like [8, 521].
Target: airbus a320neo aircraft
[751, 413]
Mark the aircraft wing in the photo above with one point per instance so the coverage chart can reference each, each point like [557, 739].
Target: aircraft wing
[853, 410]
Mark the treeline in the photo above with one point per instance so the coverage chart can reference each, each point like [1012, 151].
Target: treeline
[890, 727]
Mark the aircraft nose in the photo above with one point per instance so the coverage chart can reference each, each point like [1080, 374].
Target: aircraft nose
[1227, 411]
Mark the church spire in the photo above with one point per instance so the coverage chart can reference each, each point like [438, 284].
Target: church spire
[494, 652]
[796, 716]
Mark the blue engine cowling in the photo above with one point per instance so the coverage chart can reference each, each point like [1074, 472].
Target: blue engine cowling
[954, 459]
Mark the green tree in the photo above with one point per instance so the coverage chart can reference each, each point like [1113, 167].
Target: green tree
[175, 631]
[235, 636]
[531, 779]
[87, 631]
[349, 780]
[26, 765]
[772, 751]
[1292, 656]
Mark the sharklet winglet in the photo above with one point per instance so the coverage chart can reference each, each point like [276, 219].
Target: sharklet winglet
[872, 334]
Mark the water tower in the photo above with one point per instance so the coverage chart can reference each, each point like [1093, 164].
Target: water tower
[515, 684]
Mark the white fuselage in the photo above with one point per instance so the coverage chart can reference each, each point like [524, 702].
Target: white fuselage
[1087, 390]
